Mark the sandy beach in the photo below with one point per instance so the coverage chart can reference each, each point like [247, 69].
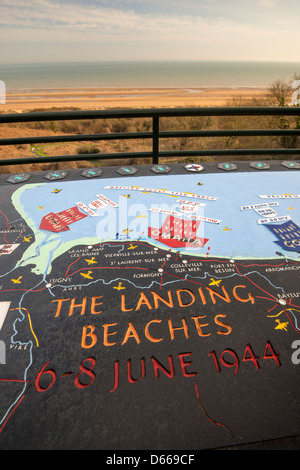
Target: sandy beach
[103, 98]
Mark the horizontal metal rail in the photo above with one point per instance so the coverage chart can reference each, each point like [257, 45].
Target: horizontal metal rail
[155, 135]
[160, 112]
[148, 135]
[76, 138]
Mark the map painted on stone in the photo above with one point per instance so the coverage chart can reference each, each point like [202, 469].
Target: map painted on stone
[134, 307]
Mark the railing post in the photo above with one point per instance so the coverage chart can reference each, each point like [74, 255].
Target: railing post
[155, 139]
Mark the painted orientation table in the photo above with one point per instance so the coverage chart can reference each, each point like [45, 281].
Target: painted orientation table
[150, 307]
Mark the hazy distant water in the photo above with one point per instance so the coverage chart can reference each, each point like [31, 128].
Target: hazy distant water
[146, 74]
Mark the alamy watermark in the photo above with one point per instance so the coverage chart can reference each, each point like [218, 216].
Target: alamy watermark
[133, 221]
[2, 92]
[296, 354]
[2, 352]
[296, 86]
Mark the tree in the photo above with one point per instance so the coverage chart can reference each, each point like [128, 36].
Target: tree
[280, 93]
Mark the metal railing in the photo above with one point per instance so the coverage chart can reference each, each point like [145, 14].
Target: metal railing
[155, 135]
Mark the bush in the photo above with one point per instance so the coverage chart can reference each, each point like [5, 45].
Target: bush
[87, 149]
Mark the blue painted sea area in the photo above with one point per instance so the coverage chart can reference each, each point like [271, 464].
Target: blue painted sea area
[236, 235]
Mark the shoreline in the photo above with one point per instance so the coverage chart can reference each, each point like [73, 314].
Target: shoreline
[126, 97]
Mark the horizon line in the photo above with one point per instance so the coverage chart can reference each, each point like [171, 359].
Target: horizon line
[153, 60]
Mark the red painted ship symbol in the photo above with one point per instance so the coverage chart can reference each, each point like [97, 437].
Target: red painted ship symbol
[178, 233]
[60, 221]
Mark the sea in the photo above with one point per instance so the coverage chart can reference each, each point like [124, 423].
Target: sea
[143, 74]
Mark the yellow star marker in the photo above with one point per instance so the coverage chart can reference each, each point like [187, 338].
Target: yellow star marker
[88, 275]
[119, 286]
[281, 325]
[214, 282]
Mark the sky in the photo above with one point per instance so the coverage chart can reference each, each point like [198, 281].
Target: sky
[101, 30]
